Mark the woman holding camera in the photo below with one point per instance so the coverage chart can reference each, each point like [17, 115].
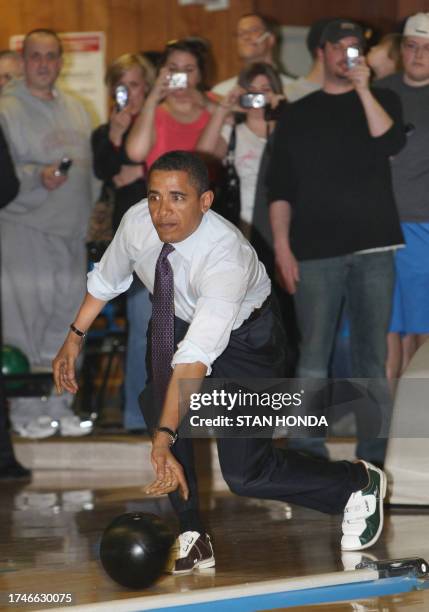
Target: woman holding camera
[111, 163]
[133, 75]
[177, 109]
[259, 90]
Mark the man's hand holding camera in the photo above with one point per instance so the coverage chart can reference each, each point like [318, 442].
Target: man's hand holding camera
[50, 178]
[359, 75]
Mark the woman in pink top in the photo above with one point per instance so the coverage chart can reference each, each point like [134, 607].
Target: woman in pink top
[177, 110]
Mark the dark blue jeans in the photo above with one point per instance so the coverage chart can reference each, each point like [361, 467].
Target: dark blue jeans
[366, 282]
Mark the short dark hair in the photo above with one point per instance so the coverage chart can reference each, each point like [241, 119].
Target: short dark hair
[248, 74]
[198, 48]
[46, 32]
[184, 161]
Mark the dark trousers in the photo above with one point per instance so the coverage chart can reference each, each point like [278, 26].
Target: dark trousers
[252, 467]
[7, 455]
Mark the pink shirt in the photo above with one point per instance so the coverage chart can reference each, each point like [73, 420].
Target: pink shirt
[170, 134]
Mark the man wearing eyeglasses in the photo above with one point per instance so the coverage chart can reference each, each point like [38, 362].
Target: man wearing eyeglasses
[410, 170]
[256, 42]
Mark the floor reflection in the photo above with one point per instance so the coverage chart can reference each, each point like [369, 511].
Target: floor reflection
[49, 537]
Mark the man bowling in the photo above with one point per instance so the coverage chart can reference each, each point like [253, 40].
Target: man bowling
[212, 315]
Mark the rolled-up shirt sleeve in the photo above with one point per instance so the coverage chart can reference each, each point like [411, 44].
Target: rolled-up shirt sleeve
[221, 295]
[394, 139]
[113, 275]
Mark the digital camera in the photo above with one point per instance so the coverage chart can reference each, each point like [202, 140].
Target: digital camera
[252, 100]
[177, 80]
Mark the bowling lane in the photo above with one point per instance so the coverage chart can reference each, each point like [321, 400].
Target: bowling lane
[49, 540]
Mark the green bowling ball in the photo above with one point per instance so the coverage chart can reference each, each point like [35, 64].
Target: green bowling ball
[14, 362]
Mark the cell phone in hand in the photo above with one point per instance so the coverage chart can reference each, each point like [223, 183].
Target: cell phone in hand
[121, 97]
[352, 54]
[64, 167]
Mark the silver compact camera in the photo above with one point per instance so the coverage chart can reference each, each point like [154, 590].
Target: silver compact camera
[177, 80]
[121, 97]
[352, 54]
[252, 100]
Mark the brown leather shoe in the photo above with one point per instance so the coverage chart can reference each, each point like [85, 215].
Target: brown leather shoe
[193, 551]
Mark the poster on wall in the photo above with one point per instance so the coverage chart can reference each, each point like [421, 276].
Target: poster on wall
[83, 69]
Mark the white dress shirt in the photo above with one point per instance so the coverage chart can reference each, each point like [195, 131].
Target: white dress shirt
[218, 279]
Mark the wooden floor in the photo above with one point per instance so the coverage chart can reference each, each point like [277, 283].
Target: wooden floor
[49, 535]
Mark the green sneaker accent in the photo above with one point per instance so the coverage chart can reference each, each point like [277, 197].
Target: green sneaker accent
[363, 514]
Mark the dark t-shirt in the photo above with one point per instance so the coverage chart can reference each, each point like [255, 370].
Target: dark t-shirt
[410, 169]
[335, 175]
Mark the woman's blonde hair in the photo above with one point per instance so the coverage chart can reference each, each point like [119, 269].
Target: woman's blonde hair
[125, 62]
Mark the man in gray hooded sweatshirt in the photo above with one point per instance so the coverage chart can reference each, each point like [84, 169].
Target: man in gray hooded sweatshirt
[43, 229]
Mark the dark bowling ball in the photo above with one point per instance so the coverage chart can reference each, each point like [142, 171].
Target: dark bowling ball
[134, 549]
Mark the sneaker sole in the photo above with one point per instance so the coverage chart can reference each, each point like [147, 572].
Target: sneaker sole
[201, 565]
[383, 486]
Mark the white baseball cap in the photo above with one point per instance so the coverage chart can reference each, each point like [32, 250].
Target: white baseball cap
[417, 25]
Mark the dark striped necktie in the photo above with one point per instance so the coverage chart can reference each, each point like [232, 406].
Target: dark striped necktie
[163, 322]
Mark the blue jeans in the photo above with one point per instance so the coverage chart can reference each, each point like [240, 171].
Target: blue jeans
[139, 310]
[366, 283]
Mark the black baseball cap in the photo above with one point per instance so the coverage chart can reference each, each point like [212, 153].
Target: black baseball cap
[342, 28]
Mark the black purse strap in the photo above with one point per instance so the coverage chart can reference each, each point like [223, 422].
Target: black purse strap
[232, 142]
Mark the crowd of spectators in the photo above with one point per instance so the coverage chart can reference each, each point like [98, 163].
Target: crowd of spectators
[314, 158]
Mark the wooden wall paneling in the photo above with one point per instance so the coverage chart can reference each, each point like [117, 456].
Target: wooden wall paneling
[96, 18]
[67, 15]
[125, 22]
[10, 22]
[409, 7]
[36, 15]
[381, 14]
[183, 20]
[154, 25]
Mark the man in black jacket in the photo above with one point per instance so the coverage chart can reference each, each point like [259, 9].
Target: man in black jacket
[333, 215]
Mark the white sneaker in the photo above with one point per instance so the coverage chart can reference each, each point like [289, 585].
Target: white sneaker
[72, 426]
[193, 551]
[363, 514]
[38, 429]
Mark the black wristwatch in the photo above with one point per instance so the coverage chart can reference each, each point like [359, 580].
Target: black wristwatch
[173, 434]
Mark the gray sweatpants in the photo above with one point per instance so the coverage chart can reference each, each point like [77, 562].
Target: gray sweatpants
[43, 284]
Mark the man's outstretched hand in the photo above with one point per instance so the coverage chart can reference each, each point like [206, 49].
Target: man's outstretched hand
[64, 367]
[169, 473]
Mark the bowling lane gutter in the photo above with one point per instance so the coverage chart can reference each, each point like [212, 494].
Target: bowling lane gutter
[217, 594]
